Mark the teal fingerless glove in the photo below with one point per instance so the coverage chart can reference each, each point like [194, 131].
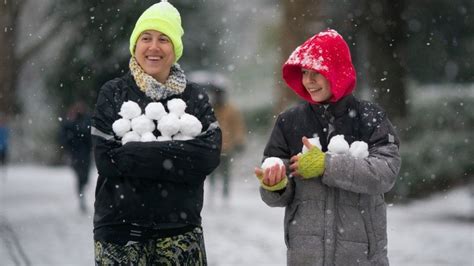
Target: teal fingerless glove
[311, 163]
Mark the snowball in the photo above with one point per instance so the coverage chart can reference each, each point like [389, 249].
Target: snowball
[271, 161]
[169, 125]
[130, 110]
[147, 137]
[181, 136]
[338, 145]
[359, 149]
[176, 106]
[163, 138]
[142, 124]
[155, 111]
[314, 141]
[189, 125]
[121, 126]
[130, 136]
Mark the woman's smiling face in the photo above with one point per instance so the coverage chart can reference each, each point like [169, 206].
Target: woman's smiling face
[155, 54]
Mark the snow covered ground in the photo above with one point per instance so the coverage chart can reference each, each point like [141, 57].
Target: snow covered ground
[40, 223]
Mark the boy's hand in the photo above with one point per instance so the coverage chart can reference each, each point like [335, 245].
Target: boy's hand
[273, 178]
[310, 164]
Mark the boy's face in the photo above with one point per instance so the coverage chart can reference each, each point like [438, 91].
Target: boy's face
[316, 85]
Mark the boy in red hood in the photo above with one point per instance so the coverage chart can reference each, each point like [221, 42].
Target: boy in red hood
[335, 213]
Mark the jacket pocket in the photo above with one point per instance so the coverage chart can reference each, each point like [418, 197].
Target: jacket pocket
[367, 210]
[308, 218]
[351, 253]
[305, 250]
[290, 212]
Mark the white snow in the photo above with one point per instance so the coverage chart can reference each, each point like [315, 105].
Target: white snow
[359, 149]
[121, 126]
[142, 125]
[175, 125]
[130, 110]
[164, 138]
[189, 126]
[176, 106]
[271, 161]
[130, 136]
[315, 141]
[147, 137]
[155, 111]
[338, 145]
[169, 125]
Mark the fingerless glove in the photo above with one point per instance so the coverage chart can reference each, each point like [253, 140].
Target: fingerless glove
[311, 164]
[278, 186]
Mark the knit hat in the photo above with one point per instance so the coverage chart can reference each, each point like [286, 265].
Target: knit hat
[328, 54]
[162, 17]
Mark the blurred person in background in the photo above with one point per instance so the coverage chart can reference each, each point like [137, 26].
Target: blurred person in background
[76, 139]
[4, 135]
[149, 195]
[230, 121]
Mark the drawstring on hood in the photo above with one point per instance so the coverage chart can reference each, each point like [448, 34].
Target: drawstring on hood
[326, 53]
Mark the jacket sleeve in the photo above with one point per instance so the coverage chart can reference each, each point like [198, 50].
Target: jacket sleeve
[176, 161]
[277, 147]
[373, 175]
[102, 134]
[279, 198]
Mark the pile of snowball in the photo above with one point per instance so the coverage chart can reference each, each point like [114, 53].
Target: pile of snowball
[175, 125]
[337, 145]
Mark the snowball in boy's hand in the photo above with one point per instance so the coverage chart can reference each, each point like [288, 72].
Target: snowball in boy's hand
[359, 149]
[314, 141]
[338, 145]
[147, 137]
[189, 125]
[130, 136]
[121, 126]
[271, 161]
[155, 111]
[130, 110]
[169, 125]
[142, 124]
[176, 106]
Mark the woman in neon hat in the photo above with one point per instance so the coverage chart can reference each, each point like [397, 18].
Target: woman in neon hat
[149, 195]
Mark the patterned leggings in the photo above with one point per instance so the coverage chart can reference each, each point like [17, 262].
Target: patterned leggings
[184, 249]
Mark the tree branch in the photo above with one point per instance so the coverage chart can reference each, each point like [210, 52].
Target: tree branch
[38, 45]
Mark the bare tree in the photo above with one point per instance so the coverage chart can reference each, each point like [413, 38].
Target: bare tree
[8, 61]
[12, 58]
[386, 66]
[301, 20]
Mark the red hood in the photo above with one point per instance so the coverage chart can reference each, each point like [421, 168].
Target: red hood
[328, 54]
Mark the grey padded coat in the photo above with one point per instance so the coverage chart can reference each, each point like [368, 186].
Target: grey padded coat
[340, 217]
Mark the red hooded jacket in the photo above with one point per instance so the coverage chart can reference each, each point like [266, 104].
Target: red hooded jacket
[326, 53]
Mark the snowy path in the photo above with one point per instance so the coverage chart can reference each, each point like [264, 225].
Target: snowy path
[40, 224]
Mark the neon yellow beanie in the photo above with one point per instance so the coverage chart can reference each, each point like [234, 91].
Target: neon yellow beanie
[162, 17]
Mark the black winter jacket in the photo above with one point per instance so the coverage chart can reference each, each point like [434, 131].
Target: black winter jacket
[151, 184]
